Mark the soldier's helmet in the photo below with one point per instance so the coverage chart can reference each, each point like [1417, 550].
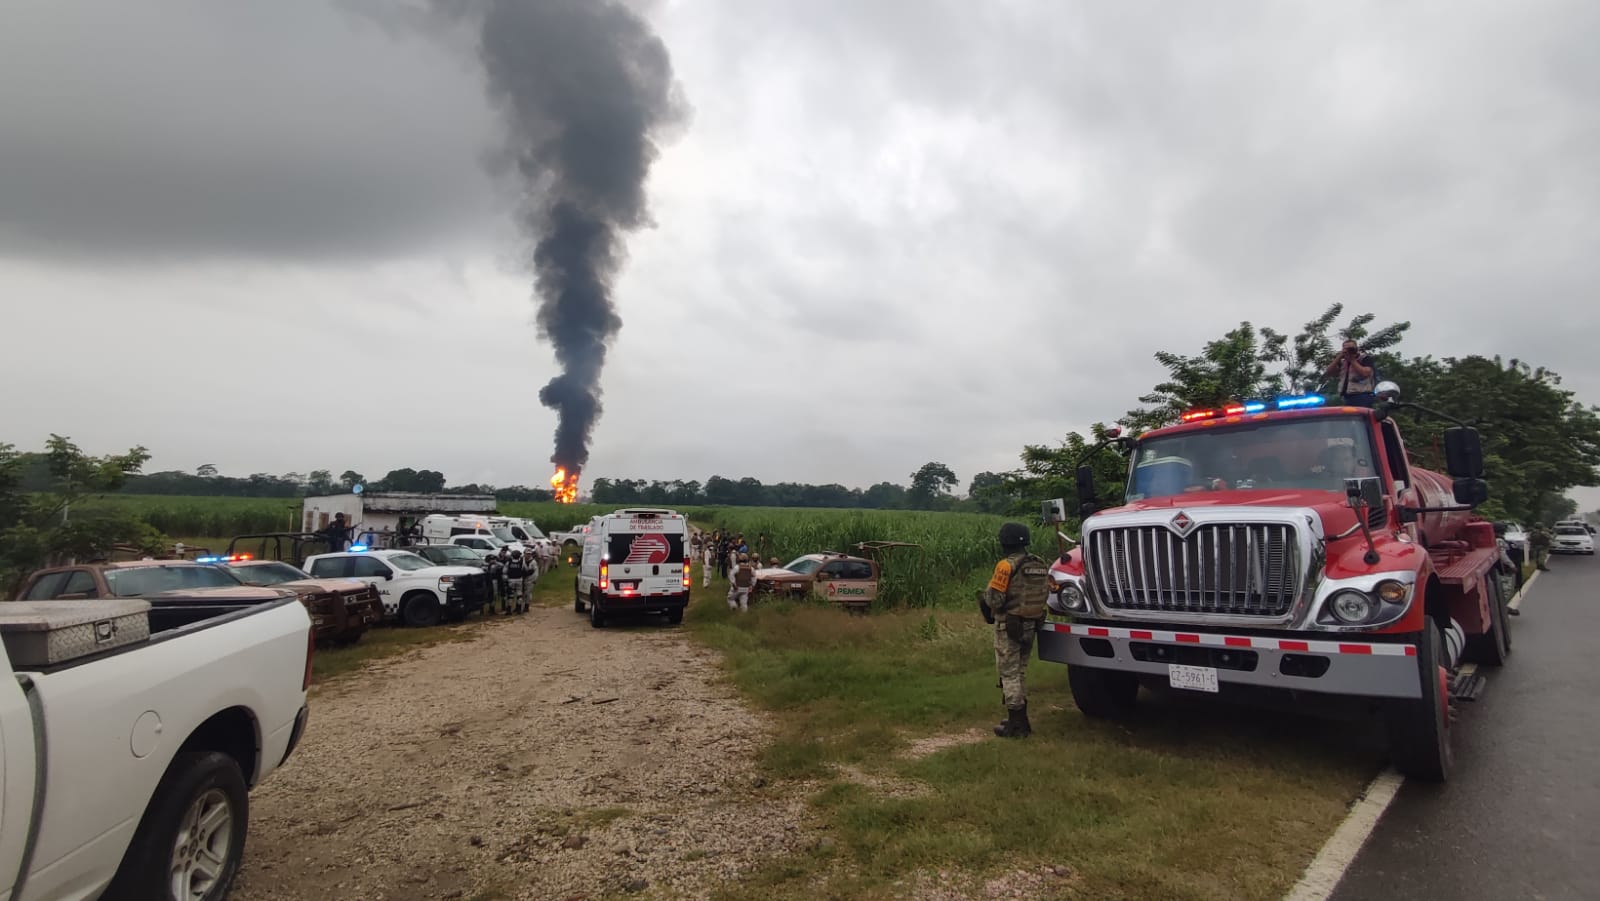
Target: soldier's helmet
[1014, 535]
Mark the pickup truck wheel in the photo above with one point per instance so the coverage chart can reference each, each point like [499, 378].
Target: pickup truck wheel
[675, 616]
[420, 608]
[577, 598]
[596, 618]
[1419, 730]
[1103, 693]
[1493, 648]
[191, 840]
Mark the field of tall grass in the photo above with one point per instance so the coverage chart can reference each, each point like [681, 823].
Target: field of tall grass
[952, 557]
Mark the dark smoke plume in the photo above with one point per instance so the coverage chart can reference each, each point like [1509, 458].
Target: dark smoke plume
[585, 87]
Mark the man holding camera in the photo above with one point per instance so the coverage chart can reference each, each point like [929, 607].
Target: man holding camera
[1356, 375]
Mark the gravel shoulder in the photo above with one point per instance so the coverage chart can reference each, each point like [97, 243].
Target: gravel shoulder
[542, 759]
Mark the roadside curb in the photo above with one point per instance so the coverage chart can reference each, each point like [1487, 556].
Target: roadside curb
[1516, 602]
[1341, 848]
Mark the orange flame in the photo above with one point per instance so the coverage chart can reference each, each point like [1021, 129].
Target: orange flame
[566, 486]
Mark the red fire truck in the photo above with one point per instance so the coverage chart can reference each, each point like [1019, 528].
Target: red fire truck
[1287, 545]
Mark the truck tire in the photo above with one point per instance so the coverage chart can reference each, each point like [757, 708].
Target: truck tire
[191, 839]
[1419, 730]
[577, 598]
[597, 619]
[419, 608]
[1493, 648]
[675, 616]
[1103, 693]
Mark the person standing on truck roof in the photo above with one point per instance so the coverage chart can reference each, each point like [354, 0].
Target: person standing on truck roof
[1355, 373]
[1014, 603]
[739, 586]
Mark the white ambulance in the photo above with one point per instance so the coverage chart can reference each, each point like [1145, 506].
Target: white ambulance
[635, 560]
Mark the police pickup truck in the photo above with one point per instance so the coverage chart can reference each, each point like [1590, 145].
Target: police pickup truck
[412, 589]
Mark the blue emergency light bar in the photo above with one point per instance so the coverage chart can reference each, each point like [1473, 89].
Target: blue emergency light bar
[358, 547]
[1256, 406]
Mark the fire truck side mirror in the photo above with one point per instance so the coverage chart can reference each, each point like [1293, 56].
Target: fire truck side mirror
[1463, 453]
[1470, 492]
[1085, 483]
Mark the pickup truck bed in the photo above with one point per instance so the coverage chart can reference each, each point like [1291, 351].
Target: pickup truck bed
[103, 755]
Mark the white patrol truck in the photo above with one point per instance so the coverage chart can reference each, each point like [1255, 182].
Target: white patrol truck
[634, 560]
[412, 588]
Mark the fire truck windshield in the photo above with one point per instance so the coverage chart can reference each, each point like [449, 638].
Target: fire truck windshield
[1300, 453]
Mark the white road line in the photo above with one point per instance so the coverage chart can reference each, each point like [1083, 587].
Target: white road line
[1341, 848]
[1516, 602]
[1328, 867]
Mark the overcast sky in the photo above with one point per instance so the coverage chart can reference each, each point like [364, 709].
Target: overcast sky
[263, 235]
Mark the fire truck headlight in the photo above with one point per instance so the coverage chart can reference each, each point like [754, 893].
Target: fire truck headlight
[1069, 598]
[1353, 607]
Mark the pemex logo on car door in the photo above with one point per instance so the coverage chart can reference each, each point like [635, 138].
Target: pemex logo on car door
[647, 549]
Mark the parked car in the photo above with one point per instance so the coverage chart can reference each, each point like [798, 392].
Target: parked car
[838, 578]
[179, 591]
[129, 757]
[412, 588]
[1572, 538]
[341, 609]
[1517, 536]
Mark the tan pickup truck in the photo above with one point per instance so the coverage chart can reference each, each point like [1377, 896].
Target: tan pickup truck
[837, 578]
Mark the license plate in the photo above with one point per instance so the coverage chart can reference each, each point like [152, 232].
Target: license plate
[1192, 678]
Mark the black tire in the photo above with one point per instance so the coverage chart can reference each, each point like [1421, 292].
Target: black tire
[1419, 730]
[675, 616]
[597, 618]
[419, 608]
[1102, 693]
[199, 783]
[1493, 648]
[577, 598]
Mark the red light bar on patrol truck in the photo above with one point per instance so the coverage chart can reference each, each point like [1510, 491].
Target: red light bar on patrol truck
[1256, 406]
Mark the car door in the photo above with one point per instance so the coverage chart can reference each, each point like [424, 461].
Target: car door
[375, 572]
[848, 582]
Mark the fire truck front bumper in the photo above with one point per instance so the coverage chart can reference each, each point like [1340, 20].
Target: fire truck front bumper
[1205, 661]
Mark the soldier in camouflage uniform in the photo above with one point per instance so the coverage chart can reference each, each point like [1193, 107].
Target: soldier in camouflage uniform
[1539, 539]
[1014, 603]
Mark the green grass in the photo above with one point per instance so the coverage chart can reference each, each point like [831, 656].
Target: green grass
[1184, 801]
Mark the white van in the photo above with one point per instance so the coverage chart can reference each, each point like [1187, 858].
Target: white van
[635, 560]
[441, 527]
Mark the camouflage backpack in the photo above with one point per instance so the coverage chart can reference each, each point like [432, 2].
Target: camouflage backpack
[1029, 586]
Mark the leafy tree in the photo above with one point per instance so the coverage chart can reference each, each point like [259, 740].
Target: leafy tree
[206, 470]
[1538, 440]
[992, 492]
[44, 527]
[1246, 363]
[350, 479]
[931, 486]
[320, 482]
[884, 496]
[1051, 472]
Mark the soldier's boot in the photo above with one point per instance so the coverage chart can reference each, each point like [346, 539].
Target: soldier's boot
[1016, 724]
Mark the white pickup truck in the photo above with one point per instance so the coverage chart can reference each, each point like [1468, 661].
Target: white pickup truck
[126, 771]
[413, 589]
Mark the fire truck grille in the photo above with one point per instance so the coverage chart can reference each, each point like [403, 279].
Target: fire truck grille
[1235, 570]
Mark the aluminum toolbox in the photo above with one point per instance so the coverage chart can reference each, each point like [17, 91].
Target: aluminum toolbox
[44, 633]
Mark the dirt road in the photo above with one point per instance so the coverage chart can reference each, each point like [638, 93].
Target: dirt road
[544, 759]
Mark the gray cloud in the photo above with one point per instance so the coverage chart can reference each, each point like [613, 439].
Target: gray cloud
[188, 130]
[966, 226]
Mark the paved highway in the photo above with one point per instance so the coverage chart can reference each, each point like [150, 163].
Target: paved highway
[1520, 818]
